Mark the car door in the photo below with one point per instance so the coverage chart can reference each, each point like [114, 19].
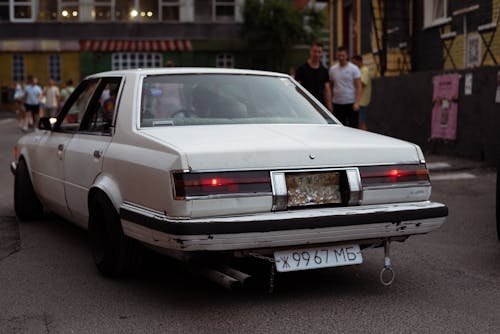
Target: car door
[83, 156]
[49, 153]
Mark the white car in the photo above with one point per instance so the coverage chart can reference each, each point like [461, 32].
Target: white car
[222, 164]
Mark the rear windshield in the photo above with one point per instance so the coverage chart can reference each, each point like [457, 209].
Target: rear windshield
[205, 99]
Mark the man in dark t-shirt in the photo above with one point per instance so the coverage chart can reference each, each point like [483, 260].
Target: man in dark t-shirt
[314, 76]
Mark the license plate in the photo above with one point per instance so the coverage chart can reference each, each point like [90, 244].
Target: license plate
[322, 257]
[313, 188]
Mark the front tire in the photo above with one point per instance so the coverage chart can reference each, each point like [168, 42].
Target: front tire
[114, 254]
[26, 202]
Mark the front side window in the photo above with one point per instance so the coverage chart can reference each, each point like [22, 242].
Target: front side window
[208, 99]
[128, 60]
[435, 12]
[75, 108]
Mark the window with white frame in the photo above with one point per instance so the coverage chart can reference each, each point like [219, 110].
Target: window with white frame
[435, 12]
[22, 11]
[214, 10]
[18, 69]
[169, 10]
[225, 60]
[55, 67]
[86, 10]
[126, 60]
[224, 10]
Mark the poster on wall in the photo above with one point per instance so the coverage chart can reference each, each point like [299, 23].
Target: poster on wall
[445, 106]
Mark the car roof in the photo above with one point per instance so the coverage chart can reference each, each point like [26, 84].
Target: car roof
[185, 70]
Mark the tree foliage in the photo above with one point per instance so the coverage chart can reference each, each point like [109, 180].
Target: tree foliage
[272, 27]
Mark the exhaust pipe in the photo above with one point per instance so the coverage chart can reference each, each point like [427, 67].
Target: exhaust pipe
[222, 279]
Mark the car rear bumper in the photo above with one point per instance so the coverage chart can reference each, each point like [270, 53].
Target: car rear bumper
[281, 229]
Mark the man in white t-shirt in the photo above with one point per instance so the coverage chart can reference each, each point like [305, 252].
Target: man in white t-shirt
[345, 79]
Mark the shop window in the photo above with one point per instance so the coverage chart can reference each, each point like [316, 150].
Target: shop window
[127, 60]
[225, 60]
[55, 67]
[22, 11]
[18, 69]
[435, 12]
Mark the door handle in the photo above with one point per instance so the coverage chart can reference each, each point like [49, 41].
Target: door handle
[97, 154]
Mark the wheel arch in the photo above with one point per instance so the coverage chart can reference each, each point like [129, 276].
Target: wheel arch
[107, 185]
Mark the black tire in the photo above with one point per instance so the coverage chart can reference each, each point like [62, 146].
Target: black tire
[114, 254]
[26, 202]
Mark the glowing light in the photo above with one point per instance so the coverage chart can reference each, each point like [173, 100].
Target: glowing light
[143, 14]
[75, 13]
[65, 13]
[150, 14]
[134, 13]
[394, 172]
[215, 182]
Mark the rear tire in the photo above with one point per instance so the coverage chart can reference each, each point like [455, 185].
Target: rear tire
[114, 254]
[26, 202]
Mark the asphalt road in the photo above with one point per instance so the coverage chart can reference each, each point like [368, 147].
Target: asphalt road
[446, 282]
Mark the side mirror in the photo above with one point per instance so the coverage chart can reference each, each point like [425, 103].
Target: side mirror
[45, 124]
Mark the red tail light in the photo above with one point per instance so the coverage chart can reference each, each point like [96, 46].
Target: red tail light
[16, 153]
[386, 175]
[224, 183]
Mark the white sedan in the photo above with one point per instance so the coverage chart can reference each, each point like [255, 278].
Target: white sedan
[220, 164]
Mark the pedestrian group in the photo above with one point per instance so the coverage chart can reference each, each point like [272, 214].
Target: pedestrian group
[344, 89]
[32, 101]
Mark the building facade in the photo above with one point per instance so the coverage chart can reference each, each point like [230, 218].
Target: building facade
[64, 39]
[397, 37]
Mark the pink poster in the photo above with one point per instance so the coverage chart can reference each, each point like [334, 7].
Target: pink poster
[445, 107]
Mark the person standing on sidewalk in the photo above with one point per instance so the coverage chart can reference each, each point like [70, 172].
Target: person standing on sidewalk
[19, 97]
[52, 97]
[366, 90]
[314, 76]
[345, 79]
[33, 94]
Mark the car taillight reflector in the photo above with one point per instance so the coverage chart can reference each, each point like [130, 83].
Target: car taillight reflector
[221, 183]
[386, 175]
[16, 153]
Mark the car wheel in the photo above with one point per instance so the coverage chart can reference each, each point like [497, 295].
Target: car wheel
[26, 202]
[114, 253]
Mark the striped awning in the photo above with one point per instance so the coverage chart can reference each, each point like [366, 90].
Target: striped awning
[135, 45]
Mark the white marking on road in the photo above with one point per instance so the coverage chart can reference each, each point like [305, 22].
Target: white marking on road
[452, 176]
[7, 121]
[438, 165]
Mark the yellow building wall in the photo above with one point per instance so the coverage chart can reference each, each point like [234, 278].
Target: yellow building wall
[6, 68]
[37, 64]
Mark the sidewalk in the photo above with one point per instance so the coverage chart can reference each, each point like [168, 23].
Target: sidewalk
[444, 163]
